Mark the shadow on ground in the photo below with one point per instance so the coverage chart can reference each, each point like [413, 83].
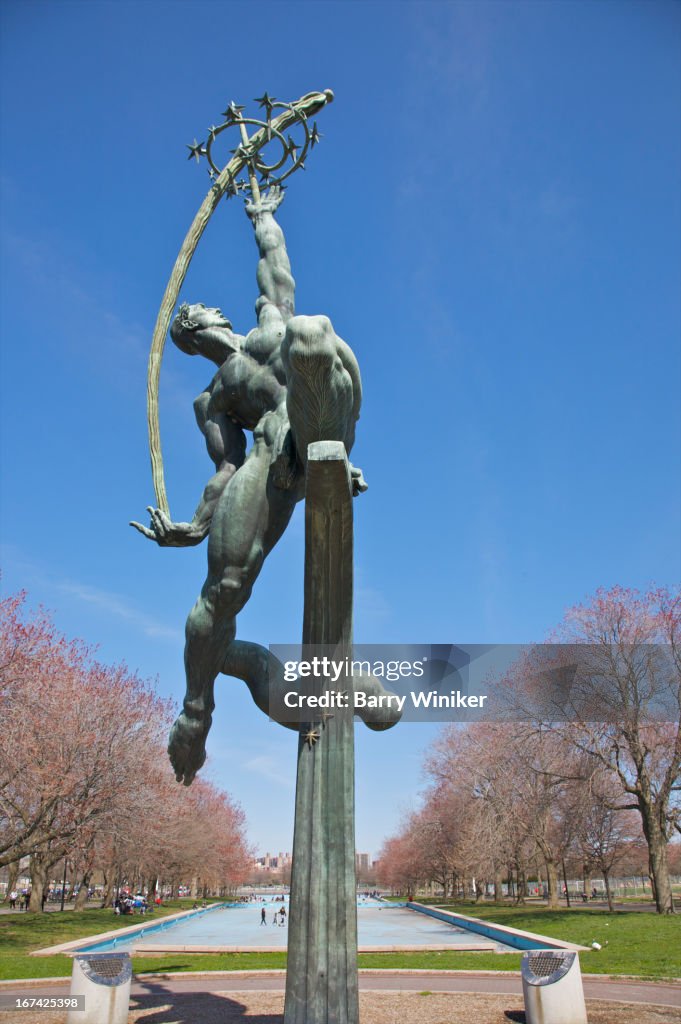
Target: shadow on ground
[159, 1005]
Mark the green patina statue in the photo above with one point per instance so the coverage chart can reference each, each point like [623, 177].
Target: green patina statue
[296, 385]
[291, 381]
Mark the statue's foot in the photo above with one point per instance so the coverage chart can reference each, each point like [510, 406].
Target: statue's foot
[359, 484]
[386, 713]
[187, 746]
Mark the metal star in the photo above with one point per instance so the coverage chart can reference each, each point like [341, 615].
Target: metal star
[292, 147]
[245, 151]
[311, 737]
[266, 101]
[314, 135]
[326, 715]
[235, 187]
[233, 112]
[213, 128]
[196, 151]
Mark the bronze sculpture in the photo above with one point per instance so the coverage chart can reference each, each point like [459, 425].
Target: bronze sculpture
[296, 385]
[291, 381]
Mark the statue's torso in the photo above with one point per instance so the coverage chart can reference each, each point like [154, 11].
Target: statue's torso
[245, 390]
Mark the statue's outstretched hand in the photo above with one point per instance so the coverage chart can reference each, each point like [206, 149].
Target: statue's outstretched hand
[266, 204]
[168, 534]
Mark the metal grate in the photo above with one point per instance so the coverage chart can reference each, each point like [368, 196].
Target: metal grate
[110, 967]
[544, 964]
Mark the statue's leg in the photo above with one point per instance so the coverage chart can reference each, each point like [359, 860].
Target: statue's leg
[263, 674]
[249, 519]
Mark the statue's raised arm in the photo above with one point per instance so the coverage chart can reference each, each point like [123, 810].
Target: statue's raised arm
[275, 281]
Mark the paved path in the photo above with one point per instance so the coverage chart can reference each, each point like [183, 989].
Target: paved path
[650, 993]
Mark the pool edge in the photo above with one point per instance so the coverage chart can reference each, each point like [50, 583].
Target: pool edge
[502, 929]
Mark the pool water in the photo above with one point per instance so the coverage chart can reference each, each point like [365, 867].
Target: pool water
[378, 924]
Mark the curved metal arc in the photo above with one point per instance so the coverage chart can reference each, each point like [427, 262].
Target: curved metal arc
[311, 103]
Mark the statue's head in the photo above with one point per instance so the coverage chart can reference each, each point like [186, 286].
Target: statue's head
[194, 325]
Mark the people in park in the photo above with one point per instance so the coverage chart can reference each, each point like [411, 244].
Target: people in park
[263, 916]
[291, 381]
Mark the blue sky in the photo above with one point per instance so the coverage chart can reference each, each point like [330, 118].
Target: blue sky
[492, 223]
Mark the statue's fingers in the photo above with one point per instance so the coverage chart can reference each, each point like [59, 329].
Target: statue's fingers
[144, 529]
[153, 515]
[158, 523]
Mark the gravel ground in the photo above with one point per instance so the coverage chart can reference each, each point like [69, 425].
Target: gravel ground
[375, 1008]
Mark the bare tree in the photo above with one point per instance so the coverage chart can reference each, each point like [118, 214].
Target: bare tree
[604, 831]
[84, 772]
[516, 773]
[629, 676]
[401, 862]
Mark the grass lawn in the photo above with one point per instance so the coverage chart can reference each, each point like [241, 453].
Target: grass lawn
[647, 945]
[639, 944]
[21, 932]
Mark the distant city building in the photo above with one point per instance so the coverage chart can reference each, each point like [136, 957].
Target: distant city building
[270, 863]
[362, 863]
